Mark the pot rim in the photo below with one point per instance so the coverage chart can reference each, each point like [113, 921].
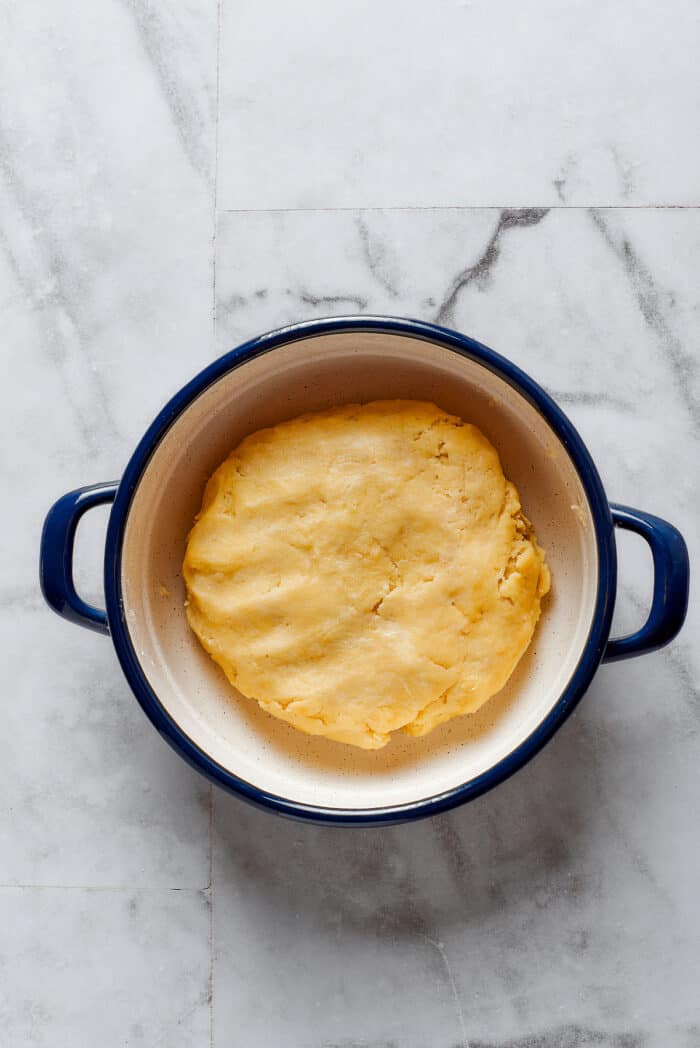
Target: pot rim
[593, 648]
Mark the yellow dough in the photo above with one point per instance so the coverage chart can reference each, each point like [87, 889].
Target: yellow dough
[365, 569]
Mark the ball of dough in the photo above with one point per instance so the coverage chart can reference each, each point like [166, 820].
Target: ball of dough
[365, 569]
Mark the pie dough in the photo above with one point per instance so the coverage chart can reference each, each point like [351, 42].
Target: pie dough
[365, 569]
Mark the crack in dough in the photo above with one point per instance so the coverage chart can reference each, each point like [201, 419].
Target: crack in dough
[364, 570]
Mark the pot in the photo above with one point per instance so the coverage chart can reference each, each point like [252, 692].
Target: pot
[306, 367]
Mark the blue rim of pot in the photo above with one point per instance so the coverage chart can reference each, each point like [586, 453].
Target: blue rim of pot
[578, 683]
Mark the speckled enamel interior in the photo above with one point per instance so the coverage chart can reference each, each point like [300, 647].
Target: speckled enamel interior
[307, 375]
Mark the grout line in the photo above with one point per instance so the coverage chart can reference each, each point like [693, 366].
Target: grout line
[99, 888]
[215, 216]
[211, 917]
[211, 836]
[215, 220]
[462, 207]
[210, 889]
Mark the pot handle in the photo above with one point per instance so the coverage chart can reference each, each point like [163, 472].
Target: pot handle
[56, 555]
[669, 602]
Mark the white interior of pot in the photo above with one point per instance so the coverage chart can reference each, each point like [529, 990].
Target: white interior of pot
[308, 375]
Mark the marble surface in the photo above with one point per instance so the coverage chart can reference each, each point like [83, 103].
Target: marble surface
[175, 178]
[327, 103]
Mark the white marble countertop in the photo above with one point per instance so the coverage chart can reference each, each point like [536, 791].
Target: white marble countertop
[176, 177]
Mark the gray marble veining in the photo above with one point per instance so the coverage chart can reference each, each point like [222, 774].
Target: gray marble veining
[153, 161]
